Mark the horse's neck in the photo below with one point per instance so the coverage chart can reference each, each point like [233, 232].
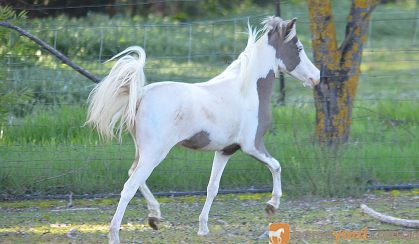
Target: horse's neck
[259, 93]
[260, 70]
[251, 75]
[264, 87]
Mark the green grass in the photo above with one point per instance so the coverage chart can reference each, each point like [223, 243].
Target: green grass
[45, 150]
[61, 156]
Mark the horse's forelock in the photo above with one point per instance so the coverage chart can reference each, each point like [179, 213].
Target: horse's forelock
[276, 24]
[272, 23]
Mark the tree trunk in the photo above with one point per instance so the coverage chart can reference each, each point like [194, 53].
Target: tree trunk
[340, 67]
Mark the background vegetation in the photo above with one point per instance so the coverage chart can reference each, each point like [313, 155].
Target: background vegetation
[44, 148]
[183, 10]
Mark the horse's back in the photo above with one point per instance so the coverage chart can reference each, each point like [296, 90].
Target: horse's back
[193, 115]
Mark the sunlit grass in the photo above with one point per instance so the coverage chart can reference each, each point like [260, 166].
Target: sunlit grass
[56, 229]
[233, 218]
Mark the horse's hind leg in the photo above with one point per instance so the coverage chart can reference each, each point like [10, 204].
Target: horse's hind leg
[153, 205]
[147, 162]
[218, 165]
[137, 156]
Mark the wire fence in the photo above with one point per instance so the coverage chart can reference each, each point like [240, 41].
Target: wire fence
[45, 150]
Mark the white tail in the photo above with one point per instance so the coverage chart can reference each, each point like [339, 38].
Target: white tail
[115, 98]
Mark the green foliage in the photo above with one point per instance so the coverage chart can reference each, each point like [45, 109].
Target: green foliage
[8, 96]
[63, 124]
[118, 33]
[178, 10]
[8, 14]
[57, 84]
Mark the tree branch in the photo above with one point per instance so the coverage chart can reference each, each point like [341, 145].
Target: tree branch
[51, 50]
[350, 35]
[323, 33]
[389, 219]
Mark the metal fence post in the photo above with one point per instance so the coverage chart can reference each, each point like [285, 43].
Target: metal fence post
[190, 43]
[281, 98]
[55, 38]
[101, 45]
[369, 33]
[9, 58]
[234, 35]
[145, 37]
[415, 23]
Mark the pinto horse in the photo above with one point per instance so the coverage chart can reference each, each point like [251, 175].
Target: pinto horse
[230, 112]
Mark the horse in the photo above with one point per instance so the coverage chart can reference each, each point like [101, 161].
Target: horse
[230, 112]
[276, 235]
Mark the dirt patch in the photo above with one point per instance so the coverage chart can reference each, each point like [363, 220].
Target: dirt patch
[233, 218]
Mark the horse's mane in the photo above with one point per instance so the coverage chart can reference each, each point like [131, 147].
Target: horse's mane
[242, 61]
[240, 66]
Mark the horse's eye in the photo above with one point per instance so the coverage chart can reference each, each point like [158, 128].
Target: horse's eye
[299, 49]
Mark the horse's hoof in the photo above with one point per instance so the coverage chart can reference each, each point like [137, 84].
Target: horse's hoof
[270, 210]
[152, 222]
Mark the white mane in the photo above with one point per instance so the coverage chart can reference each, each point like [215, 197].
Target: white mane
[242, 66]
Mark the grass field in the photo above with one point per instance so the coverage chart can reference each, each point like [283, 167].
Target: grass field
[45, 150]
[379, 152]
[237, 218]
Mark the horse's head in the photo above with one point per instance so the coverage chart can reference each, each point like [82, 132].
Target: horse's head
[290, 55]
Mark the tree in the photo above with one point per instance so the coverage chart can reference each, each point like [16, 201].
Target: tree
[340, 66]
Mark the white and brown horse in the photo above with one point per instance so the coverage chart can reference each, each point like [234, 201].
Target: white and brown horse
[228, 113]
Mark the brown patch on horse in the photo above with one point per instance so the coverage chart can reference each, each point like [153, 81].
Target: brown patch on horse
[270, 210]
[179, 116]
[264, 89]
[208, 114]
[231, 149]
[197, 141]
[152, 222]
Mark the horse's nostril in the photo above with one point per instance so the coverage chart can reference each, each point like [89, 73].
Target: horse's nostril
[309, 83]
[313, 81]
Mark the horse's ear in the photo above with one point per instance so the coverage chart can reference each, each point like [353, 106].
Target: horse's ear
[291, 24]
[290, 29]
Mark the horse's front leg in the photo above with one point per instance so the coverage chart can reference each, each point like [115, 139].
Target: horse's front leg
[218, 165]
[275, 168]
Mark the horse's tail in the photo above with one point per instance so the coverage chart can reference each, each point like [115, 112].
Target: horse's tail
[113, 102]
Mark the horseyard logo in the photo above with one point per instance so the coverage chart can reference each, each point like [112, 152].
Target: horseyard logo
[279, 233]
